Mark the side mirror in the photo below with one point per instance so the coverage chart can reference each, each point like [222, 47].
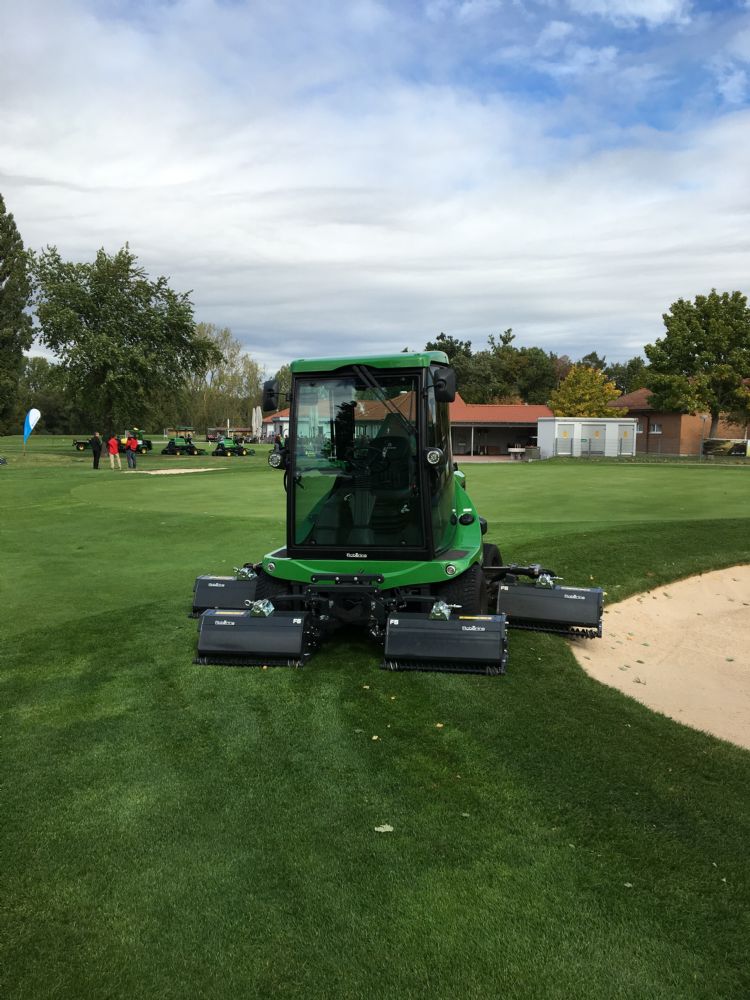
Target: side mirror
[270, 395]
[444, 379]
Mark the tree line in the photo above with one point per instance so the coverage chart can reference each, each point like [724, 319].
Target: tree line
[128, 352]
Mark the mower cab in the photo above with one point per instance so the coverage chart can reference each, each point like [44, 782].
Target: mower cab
[380, 529]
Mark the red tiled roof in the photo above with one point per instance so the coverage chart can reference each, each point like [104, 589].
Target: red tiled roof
[496, 413]
[460, 412]
[640, 399]
[278, 415]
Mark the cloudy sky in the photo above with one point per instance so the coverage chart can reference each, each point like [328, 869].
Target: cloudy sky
[331, 176]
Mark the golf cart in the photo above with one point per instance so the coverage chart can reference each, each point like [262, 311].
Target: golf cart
[382, 534]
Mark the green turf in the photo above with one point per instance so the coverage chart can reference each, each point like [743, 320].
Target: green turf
[170, 830]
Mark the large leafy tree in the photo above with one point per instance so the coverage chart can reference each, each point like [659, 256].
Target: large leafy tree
[123, 340]
[585, 392]
[230, 386]
[702, 360]
[16, 333]
[536, 375]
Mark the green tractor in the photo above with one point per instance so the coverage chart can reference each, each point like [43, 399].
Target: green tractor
[227, 446]
[182, 444]
[381, 534]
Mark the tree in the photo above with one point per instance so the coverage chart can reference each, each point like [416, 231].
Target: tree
[284, 378]
[628, 375]
[562, 364]
[449, 345]
[701, 362]
[122, 339]
[585, 392]
[592, 360]
[536, 375]
[230, 386]
[16, 334]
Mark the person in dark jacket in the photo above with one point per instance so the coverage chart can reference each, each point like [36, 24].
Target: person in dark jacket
[96, 447]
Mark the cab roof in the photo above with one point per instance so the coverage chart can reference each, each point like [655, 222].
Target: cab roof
[422, 359]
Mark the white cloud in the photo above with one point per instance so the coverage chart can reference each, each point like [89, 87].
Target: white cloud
[631, 12]
[316, 200]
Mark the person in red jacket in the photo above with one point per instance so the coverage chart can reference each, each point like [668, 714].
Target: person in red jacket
[113, 447]
[131, 449]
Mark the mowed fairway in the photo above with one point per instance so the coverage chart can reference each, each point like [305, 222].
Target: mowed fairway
[173, 831]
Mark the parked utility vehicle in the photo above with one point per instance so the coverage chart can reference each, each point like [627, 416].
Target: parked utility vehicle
[231, 446]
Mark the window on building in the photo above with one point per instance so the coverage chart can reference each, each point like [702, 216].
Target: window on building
[639, 427]
[655, 428]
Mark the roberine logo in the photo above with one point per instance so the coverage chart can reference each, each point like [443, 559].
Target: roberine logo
[356, 555]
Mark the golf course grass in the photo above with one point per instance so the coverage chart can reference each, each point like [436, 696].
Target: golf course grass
[178, 831]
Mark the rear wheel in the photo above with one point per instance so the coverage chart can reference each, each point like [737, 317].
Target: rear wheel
[469, 590]
[80, 447]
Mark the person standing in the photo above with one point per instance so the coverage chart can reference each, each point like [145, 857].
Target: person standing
[113, 447]
[96, 447]
[131, 448]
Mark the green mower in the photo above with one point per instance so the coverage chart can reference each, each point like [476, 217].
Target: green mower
[381, 534]
[181, 445]
[227, 446]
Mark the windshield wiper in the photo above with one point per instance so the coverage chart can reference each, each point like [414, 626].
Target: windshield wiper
[372, 383]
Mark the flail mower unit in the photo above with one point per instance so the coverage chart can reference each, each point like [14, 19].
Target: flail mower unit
[382, 534]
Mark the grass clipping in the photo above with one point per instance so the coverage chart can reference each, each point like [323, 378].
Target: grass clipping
[682, 650]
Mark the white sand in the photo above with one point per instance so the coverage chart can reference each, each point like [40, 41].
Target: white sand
[173, 472]
[683, 650]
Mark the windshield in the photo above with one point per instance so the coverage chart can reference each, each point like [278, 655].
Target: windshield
[355, 463]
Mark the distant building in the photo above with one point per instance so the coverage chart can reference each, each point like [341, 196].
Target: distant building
[276, 423]
[659, 432]
[493, 428]
[587, 437]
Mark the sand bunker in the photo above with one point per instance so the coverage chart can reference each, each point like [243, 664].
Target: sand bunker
[683, 650]
[174, 472]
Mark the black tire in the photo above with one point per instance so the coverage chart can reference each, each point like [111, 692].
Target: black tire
[178, 452]
[243, 452]
[80, 447]
[143, 450]
[269, 587]
[469, 590]
[491, 555]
